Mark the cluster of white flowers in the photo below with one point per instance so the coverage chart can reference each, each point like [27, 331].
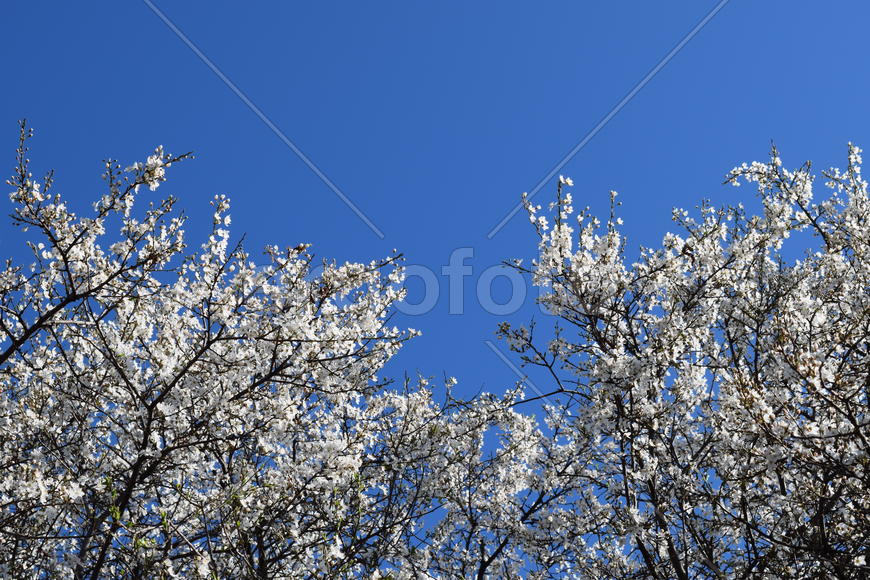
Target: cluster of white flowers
[714, 403]
[172, 415]
[153, 171]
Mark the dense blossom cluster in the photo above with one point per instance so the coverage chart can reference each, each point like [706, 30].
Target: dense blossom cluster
[171, 415]
[166, 414]
[712, 416]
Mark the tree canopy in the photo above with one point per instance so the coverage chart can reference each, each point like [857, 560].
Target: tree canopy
[177, 413]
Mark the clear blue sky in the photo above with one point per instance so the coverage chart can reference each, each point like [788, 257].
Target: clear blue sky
[432, 118]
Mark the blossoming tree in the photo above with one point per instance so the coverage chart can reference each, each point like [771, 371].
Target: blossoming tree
[708, 413]
[167, 413]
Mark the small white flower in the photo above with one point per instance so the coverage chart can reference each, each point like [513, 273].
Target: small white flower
[74, 491]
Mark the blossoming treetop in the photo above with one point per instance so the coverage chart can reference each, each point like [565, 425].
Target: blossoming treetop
[166, 413]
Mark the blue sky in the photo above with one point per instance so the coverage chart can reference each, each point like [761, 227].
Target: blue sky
[432, 118]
